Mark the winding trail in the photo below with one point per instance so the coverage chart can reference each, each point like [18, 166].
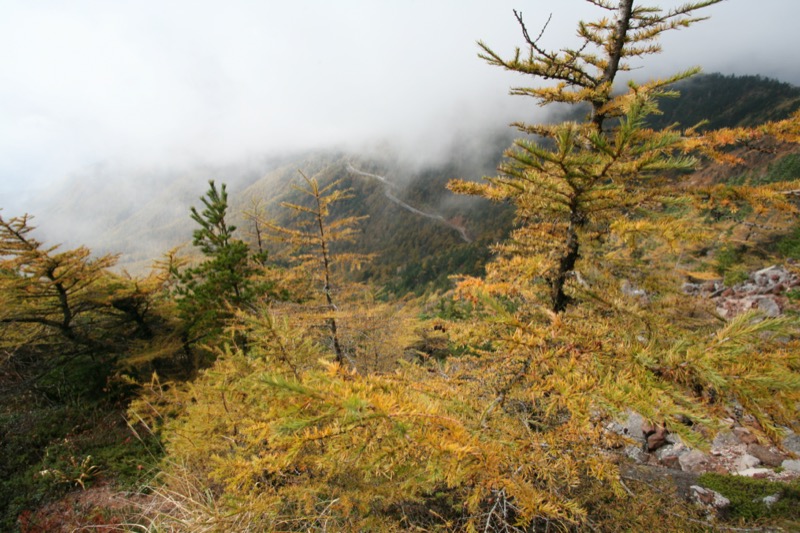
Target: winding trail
[389, 186]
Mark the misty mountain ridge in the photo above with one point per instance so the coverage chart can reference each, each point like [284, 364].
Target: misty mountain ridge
[143, 214]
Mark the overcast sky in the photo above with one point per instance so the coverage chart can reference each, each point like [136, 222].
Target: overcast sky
[144, 83]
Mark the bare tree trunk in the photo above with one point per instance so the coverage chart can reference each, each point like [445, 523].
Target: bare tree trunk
[614, 56]
[337, 348]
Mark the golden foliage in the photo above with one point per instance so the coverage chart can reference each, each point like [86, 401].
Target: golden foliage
[578, 320]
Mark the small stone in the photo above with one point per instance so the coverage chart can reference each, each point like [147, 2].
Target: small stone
[761, 276]
[669, 455]
[694, 462]
[633, 426]
[671, 449]
[771, 500]
[755, 472]
[637, 454]
[709, 498]
[725, 439]
[793, 465]
[768, 306]
[671, 461]
[746, 461]
[690, 288]
[792, 443]
[656, 439]
[765, 455]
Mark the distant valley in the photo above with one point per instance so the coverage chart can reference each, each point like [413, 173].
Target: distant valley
[420, 232]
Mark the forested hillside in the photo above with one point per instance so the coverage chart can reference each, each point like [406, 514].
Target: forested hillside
[601, 335]
[720, 101]
[143, 219]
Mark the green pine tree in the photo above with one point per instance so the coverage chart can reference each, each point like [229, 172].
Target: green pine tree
[224, 281]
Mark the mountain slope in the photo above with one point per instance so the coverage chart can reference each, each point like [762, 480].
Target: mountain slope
[417, 245]
[727, 101]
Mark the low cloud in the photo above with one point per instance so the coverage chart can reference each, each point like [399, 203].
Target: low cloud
[187, 83]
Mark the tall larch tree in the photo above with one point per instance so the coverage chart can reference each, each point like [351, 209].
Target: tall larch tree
[606, 234]
[312, 240]
[601, 169]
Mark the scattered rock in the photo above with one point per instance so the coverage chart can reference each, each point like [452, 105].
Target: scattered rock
[703, 289]
[655, 436]
[709, 498]
[671, 461]
[765, 455]
[725, 439]
[792, 443]
[768, 277]
[792, 465]
[761, 291]
[669, 455]
[637, 454]
[682, 481]
[737, 304]
[768, 305]
[771, 500]
[757, 473]
[745, 462]
[694, 462]
[669, 450]
[633, 427]
[673, 438]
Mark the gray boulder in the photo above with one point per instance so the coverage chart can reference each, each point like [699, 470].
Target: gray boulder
[765, 455]
[792, 465]
[695, 462]
[709, 498]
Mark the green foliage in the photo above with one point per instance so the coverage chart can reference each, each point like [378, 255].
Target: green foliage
[223, 275]
[48, 449]
[434, 274]
[747, 497]
[727, 257]
[720, 101]
[730, 265]
[225, 280]
[789, 245]
[785, 169]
